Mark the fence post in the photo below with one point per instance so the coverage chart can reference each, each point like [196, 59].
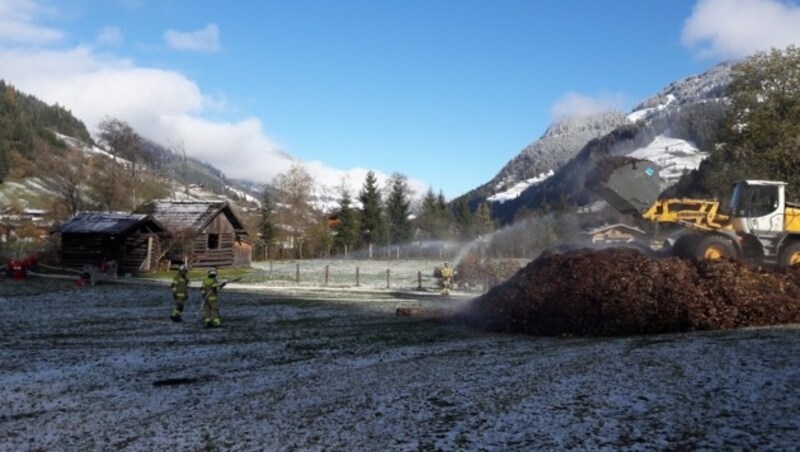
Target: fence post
[297, 274]
[326, 274]
[387, 278]
[358, 283]
[419, 280]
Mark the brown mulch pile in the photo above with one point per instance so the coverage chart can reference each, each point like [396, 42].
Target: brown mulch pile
[617, 291]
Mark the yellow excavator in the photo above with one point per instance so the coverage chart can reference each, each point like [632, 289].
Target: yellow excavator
[759, 224]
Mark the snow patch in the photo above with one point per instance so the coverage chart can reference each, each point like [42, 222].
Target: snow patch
[645, 113]
[673, 155]
[520, 187]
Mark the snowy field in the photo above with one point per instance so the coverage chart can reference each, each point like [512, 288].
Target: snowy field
[314, 368]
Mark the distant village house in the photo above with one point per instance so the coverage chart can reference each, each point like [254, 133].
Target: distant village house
[613, 233]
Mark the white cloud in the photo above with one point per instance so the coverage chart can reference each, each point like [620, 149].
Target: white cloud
[109, 36]
[577, 105]
[17, 24]
[205, 40]
[162, 105]
[737, 28]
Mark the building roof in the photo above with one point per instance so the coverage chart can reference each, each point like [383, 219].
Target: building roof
[107, 223]
[607, 227]
[192, 215]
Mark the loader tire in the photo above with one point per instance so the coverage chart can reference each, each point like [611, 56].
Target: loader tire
[714, 248]
[685, 246]
[790, 255]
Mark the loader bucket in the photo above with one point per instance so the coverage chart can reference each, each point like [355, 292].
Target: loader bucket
[629, 185]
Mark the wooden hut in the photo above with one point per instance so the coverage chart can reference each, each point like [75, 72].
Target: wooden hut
[205, 233]
[133, 241]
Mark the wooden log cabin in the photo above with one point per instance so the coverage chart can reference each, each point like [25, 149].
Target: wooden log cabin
[205, 233]
[133, 241]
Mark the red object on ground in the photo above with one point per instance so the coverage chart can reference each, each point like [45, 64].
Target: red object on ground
[17, 269]
[30, 262]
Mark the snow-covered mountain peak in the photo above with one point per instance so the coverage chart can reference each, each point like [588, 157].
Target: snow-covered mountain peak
[710, 85]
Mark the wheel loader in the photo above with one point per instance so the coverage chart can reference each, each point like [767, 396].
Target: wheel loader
[759, 225]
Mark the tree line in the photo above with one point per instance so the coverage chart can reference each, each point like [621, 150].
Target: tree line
[375, 222]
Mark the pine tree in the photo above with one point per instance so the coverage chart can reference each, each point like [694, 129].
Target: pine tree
[347, 228]
[484, 223]
[372, 227]
[444, 218]
[426, 221]
[465, 220]
[398, 209]
[266, 224]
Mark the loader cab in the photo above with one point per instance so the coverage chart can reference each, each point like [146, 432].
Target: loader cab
[757, 207]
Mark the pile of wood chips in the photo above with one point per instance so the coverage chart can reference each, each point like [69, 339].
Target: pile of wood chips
[617, 291]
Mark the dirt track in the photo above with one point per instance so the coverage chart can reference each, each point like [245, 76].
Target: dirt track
[103, 368]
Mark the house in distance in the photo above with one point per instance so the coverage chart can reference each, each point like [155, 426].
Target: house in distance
[202, 233]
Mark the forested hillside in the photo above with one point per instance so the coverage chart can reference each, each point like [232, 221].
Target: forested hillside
[50, 161]
[27, 126]
[760, 135]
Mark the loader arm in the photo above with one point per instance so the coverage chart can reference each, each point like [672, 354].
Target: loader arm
[698, 214]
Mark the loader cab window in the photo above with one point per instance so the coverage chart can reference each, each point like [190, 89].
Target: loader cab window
[738, 208]
[754, 200]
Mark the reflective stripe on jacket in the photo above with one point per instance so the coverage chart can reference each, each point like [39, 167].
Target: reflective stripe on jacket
[180, 286]
[210, 288]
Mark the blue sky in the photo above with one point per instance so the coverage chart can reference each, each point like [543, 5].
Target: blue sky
[445, 92]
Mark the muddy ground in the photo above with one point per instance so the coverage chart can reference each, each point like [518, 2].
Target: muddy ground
[102, 367]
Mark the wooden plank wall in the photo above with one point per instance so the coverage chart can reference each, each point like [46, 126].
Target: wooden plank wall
[80, 250]
[224, 255]
[136, 253]
[244, 254]
[220, 257]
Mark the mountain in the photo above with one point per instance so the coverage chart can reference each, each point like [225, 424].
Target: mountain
[538, 161]
[672, 128]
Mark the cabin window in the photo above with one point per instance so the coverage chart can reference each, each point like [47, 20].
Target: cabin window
[213, 241]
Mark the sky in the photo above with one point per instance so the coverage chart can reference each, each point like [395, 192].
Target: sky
[445, 92]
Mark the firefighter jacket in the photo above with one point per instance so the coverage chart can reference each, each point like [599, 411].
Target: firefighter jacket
[180, 287]
[210, 288]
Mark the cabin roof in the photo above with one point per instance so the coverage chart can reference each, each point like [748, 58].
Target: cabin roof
[107, 223]
[193, 215]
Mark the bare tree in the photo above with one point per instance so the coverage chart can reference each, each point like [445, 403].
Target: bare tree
[121, 141]
[295, 211]
[107, 184]
[179, 149]
[66, 176]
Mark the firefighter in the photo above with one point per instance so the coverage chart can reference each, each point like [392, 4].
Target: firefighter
[447, 278]
[210, 308]
[180, 293]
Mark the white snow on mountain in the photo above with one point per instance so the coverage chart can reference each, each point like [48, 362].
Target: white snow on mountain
[519, 187]
[673, 155]
[645, 113]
